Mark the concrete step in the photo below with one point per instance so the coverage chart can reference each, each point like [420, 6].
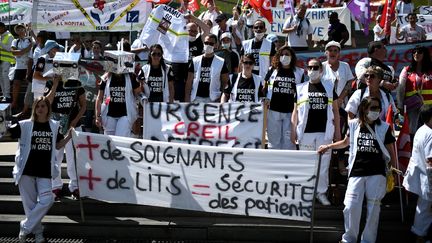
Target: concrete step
[7, 167]
[8, 187]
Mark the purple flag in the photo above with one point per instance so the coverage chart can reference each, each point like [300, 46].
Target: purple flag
[361, 11]
[289, 7]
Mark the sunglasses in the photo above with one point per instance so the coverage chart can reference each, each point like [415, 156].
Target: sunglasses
[209, 43]
[259, 27]
[374, 108]
[156, 54]
[248, 63]
[314, 68]
[372, 76]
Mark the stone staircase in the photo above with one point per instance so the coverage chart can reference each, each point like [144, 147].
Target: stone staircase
[113, 222]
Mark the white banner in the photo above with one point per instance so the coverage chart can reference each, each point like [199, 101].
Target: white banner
[423, 20]
[425, 10]
[213, 124]
[251, 182]
[18, 13]
[90, 16]
[318, 18]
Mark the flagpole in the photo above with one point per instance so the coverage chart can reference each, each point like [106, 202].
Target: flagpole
[399, 185]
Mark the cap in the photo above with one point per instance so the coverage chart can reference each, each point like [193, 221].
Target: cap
[333, 43]
[226, 35]
[220, 17]
[50, 44]
[272, 37]
[18, 26]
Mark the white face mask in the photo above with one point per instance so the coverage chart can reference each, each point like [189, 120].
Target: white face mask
[314, 76]
[373, 115]
[192, 38]
[259, 36]
[285, 60]
[226, 45]
[208, 49]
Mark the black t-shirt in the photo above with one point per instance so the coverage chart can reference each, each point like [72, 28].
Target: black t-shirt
[196, 47]
[155, 82]
[117, 89]
[335, 34]
[255, 49]
[245, 88]
[66, 97]
[369, 160]
[284, 92]
[231, 59]
[205, 77]
[39, 160]
[318, 101]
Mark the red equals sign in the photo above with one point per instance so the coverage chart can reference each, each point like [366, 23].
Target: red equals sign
[200, 193]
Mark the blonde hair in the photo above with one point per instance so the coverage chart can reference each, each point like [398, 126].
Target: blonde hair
[375, 70]
[36, 102]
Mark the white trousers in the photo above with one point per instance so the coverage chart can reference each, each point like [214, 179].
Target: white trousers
[279, 130]
[119, 126]
[4, 76]
[311, 142]
[422, 217]
[374, 187]
[37, 199]
[70, 162]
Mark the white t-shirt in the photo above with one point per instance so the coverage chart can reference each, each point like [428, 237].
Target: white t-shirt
[20, 44]
[412, 34]
[404, 8]
[343, 75]
[87, 54]
[209, 15]
[250, 21]
[143, 55]
[377, 29]
[298, 38]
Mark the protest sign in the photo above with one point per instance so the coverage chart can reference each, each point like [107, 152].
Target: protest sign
[15, 12]
[167, 26]
[423, 20]
[88, 16]
[250, 182]
[213, 124]
[318, 18]
[425, 10]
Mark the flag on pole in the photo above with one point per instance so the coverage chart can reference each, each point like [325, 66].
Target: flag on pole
[289, 7]
[403, 144]
[193, 5]
[361, 11]
[388, 15]
[389, 117]
[262, 7]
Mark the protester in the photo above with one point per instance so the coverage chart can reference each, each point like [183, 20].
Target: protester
[339, 73]
[244, 86]
[280, 86]
[196, 38]
[377, 54]
[35, 165]
[373, 77]
[411, 32]
[230, 56]
[299, 30]
[318, 4]
[79, 47]
[371, 149]
[251, 17]
[237, 21]
[412, 79]
[43, 65]
[140, 49]
[404, 7]
[208, 75]
[211, 13]
[275, 40]
[315, 103]
[417, 177]
[20, 48]
[157, 77]
[379, 33]
[97, 50]
[6, 59]
[262, 49]
[337, 31]
[223, 27]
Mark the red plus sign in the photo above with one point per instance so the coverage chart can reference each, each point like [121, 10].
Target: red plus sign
[90, 178]
[90, 146]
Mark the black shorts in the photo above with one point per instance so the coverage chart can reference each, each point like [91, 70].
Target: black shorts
[20, 74]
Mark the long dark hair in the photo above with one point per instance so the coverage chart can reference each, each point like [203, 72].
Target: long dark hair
[276, 62]
[152, 48]
[426, 63]
[364, 105]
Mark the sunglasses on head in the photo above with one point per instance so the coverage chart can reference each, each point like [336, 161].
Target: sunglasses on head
[248, 62]
[209, 43]
[367, 75]
[314, 68]
[156, 54]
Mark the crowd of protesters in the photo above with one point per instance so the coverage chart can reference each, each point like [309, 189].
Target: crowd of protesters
[322, 106]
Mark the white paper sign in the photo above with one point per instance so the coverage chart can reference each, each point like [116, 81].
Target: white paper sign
[213, 124]
[89, 16]
[251, 182]
[20, 12]
[423, 20]
[425, 10]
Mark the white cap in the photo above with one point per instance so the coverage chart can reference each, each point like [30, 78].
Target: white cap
[333, 43]
[226, 35]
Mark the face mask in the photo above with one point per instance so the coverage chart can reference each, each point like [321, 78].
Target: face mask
[285, 60]
[208, 49]
[373, 115]
[226, 45]
[259, 36]
[192, 38]
[314, 76]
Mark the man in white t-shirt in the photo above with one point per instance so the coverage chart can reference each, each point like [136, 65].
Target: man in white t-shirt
[379, 33]
[20, 48]
[299, 30]
[140, 49]
[211, 13]
[412, 32]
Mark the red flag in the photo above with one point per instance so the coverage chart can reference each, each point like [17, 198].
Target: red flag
[388, 15]
[403, 145]
[193, 5]
[158, 1]
[389, 116]
[262, 7]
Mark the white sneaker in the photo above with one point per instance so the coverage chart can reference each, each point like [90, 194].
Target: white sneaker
[322, 198]
[39, 238]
